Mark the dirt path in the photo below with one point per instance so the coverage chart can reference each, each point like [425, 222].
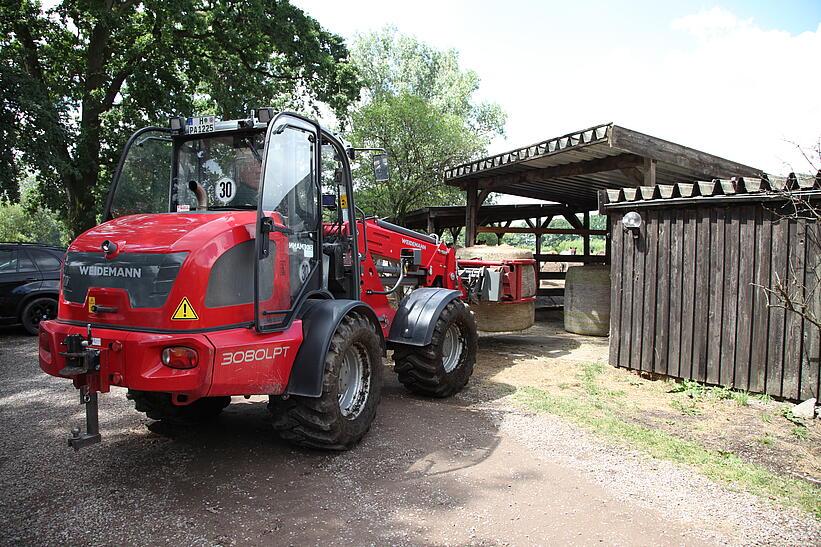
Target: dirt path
[429, 472]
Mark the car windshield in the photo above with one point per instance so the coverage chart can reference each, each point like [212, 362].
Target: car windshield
[227, 167]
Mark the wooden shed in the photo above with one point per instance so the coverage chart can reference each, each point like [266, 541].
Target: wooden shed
[568, 171]
[689, 295]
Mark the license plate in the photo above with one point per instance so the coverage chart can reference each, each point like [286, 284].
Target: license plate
[202, 124]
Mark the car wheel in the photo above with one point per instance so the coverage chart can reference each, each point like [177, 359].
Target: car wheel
[39, 309]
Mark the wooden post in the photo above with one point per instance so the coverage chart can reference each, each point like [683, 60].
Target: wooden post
[475, 198]
[538, 252]
[471, 214]
[607, 239]
[431, 227]
[649, 172]
[586, 221]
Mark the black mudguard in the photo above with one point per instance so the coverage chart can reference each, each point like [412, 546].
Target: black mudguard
[320, 318]
[417, 315]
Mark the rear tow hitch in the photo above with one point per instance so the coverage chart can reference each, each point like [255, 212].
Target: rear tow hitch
[83, 366]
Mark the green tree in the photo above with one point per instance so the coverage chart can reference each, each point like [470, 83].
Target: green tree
[28, 222]
[420, 107]
[78, 78]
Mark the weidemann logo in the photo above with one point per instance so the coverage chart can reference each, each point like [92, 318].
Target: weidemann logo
[111, 271]
[414, 243]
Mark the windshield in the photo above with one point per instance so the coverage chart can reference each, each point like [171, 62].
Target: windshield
[227, 167]
[143, 176]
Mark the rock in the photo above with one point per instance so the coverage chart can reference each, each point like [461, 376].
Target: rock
[805, 409]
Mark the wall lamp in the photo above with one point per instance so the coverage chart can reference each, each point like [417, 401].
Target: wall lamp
[632, 223]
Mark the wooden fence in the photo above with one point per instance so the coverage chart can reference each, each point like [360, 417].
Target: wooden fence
[687, 300]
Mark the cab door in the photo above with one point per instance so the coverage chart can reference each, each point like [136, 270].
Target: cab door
[289, 219]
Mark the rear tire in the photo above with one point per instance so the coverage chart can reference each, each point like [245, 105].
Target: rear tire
[158, 406]
[351, 388]
[443, 367]
[39, 309]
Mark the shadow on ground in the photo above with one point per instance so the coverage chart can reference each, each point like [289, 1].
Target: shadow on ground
[232, 481]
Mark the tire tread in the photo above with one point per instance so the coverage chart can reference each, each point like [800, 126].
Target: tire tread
[420, 369]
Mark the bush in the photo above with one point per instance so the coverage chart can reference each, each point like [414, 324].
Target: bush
[24, 223]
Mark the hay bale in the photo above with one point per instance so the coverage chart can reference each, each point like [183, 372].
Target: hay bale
[500, 316]
[495, 253]
[587, 300]
[504, 317]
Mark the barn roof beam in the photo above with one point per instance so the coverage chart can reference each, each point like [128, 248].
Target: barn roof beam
[545, 174]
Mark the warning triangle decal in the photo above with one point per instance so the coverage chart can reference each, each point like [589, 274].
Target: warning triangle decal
[184, 311]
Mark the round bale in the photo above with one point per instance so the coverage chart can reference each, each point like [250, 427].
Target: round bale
[587, 300]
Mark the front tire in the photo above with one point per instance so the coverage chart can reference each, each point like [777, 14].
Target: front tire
[39, 309]
[443, 367]
[158, 406]
[351, 389]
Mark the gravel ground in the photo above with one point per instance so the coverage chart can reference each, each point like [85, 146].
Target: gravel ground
[470, 470]
[714, 513]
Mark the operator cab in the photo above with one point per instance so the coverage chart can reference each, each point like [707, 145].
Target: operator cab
[284, 167]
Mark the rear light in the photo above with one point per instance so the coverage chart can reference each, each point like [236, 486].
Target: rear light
[179, 357]
[45, 341]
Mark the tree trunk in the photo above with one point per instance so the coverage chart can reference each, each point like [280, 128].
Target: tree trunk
[96, 100]
[81, 214]
[80, 188]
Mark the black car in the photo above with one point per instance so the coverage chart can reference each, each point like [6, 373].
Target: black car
[29, 283]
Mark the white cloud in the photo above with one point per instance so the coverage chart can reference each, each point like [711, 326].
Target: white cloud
[746, 90]
[727, 87]
[711, 23]
[711, 80]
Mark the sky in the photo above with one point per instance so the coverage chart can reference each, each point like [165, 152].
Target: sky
[741, 80]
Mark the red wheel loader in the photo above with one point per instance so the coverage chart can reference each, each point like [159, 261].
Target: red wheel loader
[233, 261]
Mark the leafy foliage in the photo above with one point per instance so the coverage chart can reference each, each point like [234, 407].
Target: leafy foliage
[29, 222]
[78, 78]
[419, 105]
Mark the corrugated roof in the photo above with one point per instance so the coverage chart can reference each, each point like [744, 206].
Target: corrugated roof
[563, 169]
[727, 190]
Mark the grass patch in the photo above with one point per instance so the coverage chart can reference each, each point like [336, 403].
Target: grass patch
[589, 373]
[721, 393]
[697, 391]
[766, 440]
[690, 408]
[800, 432]
[692, 389]
[591, 413]
[742, 398]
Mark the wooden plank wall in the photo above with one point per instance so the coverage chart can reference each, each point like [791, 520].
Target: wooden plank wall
[686, 299]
